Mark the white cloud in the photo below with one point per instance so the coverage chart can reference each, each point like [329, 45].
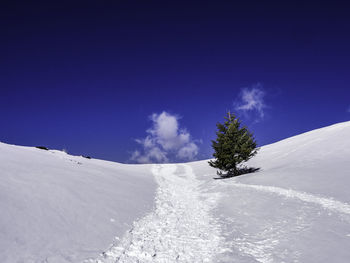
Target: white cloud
[252, 99]
[165, 140]
[151, 155]
[188, 152]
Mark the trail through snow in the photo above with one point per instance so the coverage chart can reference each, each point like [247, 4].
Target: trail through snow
[327, 203]
[281, 236]
[181, 228]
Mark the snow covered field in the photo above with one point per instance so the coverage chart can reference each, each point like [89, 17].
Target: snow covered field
[61, 208]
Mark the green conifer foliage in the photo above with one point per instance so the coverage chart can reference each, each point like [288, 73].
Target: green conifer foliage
[234, 144]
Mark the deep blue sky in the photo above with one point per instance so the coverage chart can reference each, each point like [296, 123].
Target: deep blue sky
[86, 76]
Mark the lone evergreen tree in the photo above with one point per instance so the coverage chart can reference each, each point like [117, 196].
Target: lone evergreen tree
[234, 144]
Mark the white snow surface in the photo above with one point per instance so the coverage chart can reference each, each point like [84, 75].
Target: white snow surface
[61, 208]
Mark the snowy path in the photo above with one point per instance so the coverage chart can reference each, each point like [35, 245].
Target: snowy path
[180, 229]
[294, 227]
[327, 203]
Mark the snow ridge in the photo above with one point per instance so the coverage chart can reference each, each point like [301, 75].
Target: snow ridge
[180, 229]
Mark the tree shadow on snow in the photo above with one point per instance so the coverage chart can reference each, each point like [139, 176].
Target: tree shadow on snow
[240, 171]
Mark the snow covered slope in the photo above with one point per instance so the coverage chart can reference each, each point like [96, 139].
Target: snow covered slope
[61, 208]
[296, 209]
